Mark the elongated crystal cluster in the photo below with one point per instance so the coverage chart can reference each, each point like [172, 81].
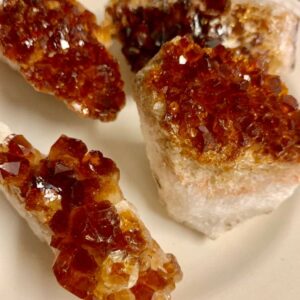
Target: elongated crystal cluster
[103, 250]
[57, 46]
[217, 105]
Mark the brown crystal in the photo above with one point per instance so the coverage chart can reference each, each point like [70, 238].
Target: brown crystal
[143, 30]
[75, 270]
[56, 46]
[75, 193]
[97, 225]
[224, 104]
[216, 7]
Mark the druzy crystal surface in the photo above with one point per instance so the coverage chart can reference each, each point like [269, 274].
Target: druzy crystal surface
[57, 47]
[217, 105]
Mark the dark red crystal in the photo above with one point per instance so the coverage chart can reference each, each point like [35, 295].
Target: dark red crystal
[97, 225]
[75, 270]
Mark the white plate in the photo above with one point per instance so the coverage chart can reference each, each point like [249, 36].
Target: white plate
[259, 260]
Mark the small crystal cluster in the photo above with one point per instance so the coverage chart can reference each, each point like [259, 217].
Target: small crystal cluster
[104, 251]
[143, 30]
[56, 46]
[217, 105]
[257, 30]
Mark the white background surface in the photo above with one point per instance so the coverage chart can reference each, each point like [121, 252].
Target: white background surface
[259, 260]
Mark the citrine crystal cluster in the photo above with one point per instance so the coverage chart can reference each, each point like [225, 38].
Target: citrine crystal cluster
[57, 47]
[144, 29]
[103, 250]
[216, 105]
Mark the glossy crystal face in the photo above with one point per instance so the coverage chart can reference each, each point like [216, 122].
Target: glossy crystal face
[104, 251]
[217, 105]
[55, 45]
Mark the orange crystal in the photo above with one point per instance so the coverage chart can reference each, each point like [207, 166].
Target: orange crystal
[104, 252]
[55, 45]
